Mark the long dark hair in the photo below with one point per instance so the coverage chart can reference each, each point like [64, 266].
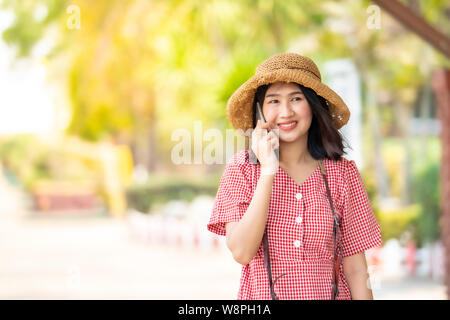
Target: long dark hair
[324, 140]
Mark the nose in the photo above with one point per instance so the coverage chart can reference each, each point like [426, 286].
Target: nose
[286, 109]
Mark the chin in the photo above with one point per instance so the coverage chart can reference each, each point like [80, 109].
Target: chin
[290, 137]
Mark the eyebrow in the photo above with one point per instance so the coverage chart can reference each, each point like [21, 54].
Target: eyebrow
[290, 94]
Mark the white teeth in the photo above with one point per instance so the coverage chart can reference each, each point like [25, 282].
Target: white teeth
[288, 125]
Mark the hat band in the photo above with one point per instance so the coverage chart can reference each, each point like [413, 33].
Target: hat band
[308, 71]
[291, 68]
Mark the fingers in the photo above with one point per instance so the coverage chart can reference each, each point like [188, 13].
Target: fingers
[269, 138]
[260, 125]
[271, 141]
[272, 136]
[275, 143]
[264, 140]
[261, 129]
[267, 127]
[274, 129]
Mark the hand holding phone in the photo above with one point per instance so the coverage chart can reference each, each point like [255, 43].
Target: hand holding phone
[265, 145]
[260, 116]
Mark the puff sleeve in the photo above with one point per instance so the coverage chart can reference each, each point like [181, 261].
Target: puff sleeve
[233, 196]
[360, 229]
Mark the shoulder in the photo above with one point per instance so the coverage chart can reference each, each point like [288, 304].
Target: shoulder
[240, 163]
[343, 166]
[237, 176]
[349, 167]
[240, 159]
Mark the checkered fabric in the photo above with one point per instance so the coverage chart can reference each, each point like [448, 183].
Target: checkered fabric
[299, 227]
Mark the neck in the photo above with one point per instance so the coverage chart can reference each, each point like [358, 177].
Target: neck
[295, 153]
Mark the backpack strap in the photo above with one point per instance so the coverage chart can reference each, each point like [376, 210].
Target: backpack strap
[268, 268]
[336, 242]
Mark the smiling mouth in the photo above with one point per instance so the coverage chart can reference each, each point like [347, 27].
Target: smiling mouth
[287, 125]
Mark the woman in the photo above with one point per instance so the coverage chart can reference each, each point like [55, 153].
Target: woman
[298, 225]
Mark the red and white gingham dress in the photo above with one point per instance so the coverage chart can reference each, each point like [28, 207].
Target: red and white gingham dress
[299, 227]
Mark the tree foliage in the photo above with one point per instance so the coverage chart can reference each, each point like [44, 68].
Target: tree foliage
[136, 69]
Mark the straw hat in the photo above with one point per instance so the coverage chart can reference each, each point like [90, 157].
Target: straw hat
[287, 67]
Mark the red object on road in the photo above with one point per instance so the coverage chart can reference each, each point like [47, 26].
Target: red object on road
[410, 258]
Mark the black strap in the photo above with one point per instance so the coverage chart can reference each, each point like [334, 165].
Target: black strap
[337, 260]
[268, 268]
[267, 265]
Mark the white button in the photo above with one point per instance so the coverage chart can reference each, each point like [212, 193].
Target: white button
[299, 219]
[297, 243]
[298, 196]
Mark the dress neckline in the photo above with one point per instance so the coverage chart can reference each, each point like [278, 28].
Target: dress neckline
[304, 181]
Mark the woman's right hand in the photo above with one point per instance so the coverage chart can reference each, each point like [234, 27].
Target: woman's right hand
[263, 145]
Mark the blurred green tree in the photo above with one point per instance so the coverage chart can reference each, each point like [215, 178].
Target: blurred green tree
[137, 70]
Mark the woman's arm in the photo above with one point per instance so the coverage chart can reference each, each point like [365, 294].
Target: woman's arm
[244, 237]
[355, 270]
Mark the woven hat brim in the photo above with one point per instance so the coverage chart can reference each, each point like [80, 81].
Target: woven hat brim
[239, 106]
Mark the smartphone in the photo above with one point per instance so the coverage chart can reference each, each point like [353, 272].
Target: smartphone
[260, 116]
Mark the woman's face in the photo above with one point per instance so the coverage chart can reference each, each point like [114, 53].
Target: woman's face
[286, 108]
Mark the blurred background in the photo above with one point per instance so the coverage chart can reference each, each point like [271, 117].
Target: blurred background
[96, 97]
